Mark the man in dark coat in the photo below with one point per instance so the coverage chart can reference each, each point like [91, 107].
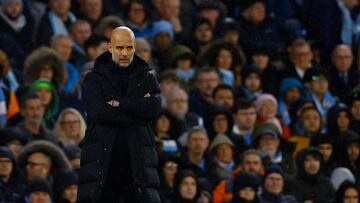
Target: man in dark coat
[118, 158]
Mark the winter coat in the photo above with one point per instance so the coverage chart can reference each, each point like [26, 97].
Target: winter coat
[58, 158]
[131, 119]
[310, 187]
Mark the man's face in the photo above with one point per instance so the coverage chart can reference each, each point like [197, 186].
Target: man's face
[342, 58]
[251, 163]
[326, 149]
[91, 8]
[355, 109]
[224, 97]
[260, 61]
[203, 33]
[177, 103]
[274, 183]
[162, 41]
[198, 143]
[224, 153]
[247, 193]
[137, 13]
[343, 121]
[60, 7]
[13, 10]
[70, 193]
[311, 165]
[33, 111]
[170, 9]
[6, 167]
[353, 151]
[256, 13]
[81, 32]
[14, 146]
[245, 118]
[63, 47]
[122, 48]
[37, 165]
[39, 197]
[301, 56]
[319, 86]
[187, 188]
[206, 82]
[351, 196]
[269, 144]
[220, 124]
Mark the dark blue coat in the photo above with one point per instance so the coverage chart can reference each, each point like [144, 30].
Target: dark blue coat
[131, 119]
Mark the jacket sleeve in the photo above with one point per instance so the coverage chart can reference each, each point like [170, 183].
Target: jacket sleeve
[144, 108]
[97, 109]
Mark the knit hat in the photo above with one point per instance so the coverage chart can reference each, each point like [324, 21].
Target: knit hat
[39, 185]
[350, 137]
[262, 98]
[321, 139]
[273, 168]
[5, 3]
[245, 4]
[243, 180]
[64, 180]
[72, 151]
[288, 83]
[266, 128]
[6, 153]
[9, 134]
[163, 26]
[221, 139]
[142, 44]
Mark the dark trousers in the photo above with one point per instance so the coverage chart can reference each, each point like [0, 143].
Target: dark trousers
[117, 187]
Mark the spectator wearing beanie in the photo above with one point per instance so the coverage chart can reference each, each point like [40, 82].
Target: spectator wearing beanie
[223, 149]
[12, 183]
[38, 191]
[339, 175]
[266, 107]
[245, 189]
[325, 145]
[73, 153]
[12, 140]
[273, 185]
[310, 184]
[66, 187]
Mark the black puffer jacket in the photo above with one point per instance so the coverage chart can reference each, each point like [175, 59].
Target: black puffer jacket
[310, 187]
[131, 119]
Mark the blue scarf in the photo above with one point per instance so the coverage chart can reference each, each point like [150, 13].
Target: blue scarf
[227, 76]
[323, 107]
[283, 111]
[73, 79]
[347, 24]
[186, 76]
[57, 25]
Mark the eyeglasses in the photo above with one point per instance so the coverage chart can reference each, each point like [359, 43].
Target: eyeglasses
[70, 122]
[34, 164]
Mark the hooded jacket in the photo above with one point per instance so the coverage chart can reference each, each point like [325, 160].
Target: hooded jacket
[210, 117]
[310, 187]
[340, 193]
[179, 178]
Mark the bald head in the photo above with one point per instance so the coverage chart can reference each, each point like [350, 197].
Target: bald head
[342, 58]
[122, 46]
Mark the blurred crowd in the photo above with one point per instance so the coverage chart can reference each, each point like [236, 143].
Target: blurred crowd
[261, 98]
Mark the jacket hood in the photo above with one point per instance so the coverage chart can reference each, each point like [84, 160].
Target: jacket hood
[179, 177]
[333, 115]
[300, 158]
[58, 157]
[288, 83]
[210, 116]
[340, 193]
[45, 58]
[104, 62]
